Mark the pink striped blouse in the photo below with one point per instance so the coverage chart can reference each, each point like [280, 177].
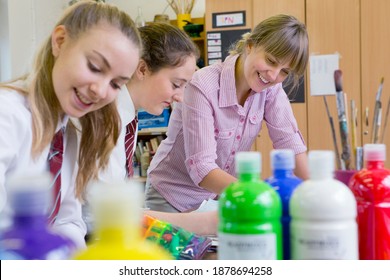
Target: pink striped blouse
[210, 127]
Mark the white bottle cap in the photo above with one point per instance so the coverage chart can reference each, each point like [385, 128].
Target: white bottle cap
[248, 162]
[321, 164]
[374, 152]
[282, 159]
[117, 204]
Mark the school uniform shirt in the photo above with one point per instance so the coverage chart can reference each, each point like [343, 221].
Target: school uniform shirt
[15, 158]
[116, 169]
[209, 127]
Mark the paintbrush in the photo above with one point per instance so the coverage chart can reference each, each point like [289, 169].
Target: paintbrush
[366, 122]
[353, 122]
[336, 149]
[376, 123]
[386, 119]
[359, 158]
[343, 123]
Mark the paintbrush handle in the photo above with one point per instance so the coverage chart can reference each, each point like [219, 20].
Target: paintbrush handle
[340, 104]
[386, 119]
[359, 158]
[336, 148]
[353, 127]
[346, 149]
[374, 122]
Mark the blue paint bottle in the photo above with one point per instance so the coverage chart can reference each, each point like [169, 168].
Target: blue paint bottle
[284, 182]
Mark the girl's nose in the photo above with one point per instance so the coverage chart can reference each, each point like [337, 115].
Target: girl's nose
[98, 90]
[178, 98]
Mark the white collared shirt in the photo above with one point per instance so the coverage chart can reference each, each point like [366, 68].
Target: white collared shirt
[15, 158]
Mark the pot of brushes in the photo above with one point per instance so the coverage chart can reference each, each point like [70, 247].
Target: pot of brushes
[182, 9]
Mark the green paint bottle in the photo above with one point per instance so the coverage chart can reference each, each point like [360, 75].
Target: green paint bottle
[249, 215]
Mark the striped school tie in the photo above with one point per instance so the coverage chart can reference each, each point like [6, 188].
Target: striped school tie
[131, 129]
[55, 164]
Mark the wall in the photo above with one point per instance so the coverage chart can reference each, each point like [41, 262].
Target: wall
[357, 30]
[24, 24]
[4, 49]
[153, 7]
[17, 37]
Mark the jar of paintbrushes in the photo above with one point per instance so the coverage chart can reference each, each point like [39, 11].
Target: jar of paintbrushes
[182, 9]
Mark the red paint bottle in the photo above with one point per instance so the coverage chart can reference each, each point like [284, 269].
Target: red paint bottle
[371, 187]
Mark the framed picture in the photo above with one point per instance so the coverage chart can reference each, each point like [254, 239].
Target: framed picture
[229, 19]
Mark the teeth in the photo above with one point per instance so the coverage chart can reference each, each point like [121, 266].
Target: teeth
[85, 101]
[263, 79]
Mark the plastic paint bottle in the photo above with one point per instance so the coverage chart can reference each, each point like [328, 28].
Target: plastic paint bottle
[118, 228]
[249, 215]
[371, 187]
[284, 182]
[29, 237]
[323, 214]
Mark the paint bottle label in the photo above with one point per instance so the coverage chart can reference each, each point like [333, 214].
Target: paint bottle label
[247, 246]
[335, 241]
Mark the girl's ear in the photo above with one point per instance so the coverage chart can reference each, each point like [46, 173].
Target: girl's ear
[248, 48]
[58, 37]
[142, 70]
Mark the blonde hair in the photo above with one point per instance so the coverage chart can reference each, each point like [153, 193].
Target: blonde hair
[100, 129]
[282, 36]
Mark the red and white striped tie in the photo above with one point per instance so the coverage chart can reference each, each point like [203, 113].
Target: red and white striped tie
[131, 129]
[55, 164]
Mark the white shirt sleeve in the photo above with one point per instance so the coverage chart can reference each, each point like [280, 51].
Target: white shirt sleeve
[15, 146]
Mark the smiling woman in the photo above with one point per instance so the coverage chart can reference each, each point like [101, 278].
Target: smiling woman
[85, 68]
[222, 113]
[76, 74]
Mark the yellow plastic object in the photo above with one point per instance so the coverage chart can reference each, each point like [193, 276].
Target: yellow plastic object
[116, 245]
[118, 227]
[183, 19]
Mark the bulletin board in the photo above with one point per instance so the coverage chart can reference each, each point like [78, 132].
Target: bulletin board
[296, 95]
[219, 42]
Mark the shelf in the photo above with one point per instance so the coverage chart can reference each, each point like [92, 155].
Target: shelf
[153, 131]
[197, 39]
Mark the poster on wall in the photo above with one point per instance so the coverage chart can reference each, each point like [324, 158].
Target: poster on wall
[229, 19]
[322, 69]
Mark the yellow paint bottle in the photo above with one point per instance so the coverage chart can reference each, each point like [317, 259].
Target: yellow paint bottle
[118, 228]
